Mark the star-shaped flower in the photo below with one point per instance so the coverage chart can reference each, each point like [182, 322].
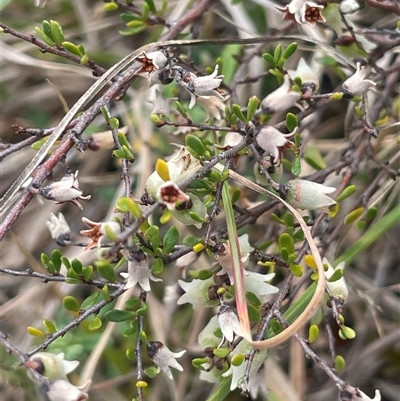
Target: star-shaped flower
[98, 231]
[139, 271]
[65, 190]
[199, 293]
[301, 11]
[198, 86]
[274, 142]
[169, 194]
[164, 358]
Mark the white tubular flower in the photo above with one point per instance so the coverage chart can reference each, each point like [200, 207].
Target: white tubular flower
[301, 11]
[153, 66]
[280, 99]
[62, 390]
[258, 284]
[199, 293]
[274, 142]
[51, 366]
[65, 190]
[229, 323]
[303, 194]
[98, 231]
[198, 86]
[309, 81]
[139, 271]
[164, 358]
[337, 288]
[349, 6]
[169, 194]
[357, 84]
[224, 257]
[59, 229]
[181, 166]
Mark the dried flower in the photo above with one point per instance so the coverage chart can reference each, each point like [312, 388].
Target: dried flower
[169, 194]
[301, 11]
[309, 81]
[51, 366]
[337, 288]
[153, 66]
[280, 99]
[229, 323]
[59, 229]
[65, 190]
[198, 86]
[303, 194]
[139, 271]
[98, 231]
[62, 390]
[274, 142]
[357, 84]
[164, 358]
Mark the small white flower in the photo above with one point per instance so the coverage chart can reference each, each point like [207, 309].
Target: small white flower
[280, 99]
[349, 6]
[357, 84]
[98, 231]
[169, 194]
[258, 284]
[65, 190]
[229, 323]
[181, 166]
[153, 65]
[198, 86]
[337, 288]
[139, 271]
[274, 142]
[198, 293]
[303, 194]
[164, 358]
[59, 229]
[62, 390]
[301, 11]
[160, 105]
[309, 81]
[51, 366]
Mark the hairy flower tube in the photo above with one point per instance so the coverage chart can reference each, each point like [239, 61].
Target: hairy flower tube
[301, 11]
[51, 366]
[139, 271]
[164, 358]
[203, 87]
[337, 288]
[303, 194]
[65, 190]
[274, 142]
[281, 99]
[181, 166]
[62, 390]
[98, 231]
[357, 84]
[59, 229]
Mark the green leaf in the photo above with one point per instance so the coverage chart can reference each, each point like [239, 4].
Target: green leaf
[337, 275]
[238, 112]
[105, 270]
[117, 315]
[313, 157]
[111, 6]
[71, 303]
[313, 333]
[142, 311]
[348, 191]
[158, 266]
[252, 298]
[47, 29]
[39, 32]
[286, 241]
[90, 300]
[95, 324]
[353, 215]
[252, 106]
[57, 33]
[221, 352]
[277, 53]
[152, 6]
[151, 372]
[254, 313]
[49, 326]
[326, 60]
[296, 270]
[191, 240]
[340, 363]
[76, 266]
[290, 50]
[291, 121]
[235, 195]
[71, 48]
[153, 233]
[296, 166]
[196, 144]
[269, 59]
[181, 110]
[132, 303]
[33, 331]
[128, 205]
